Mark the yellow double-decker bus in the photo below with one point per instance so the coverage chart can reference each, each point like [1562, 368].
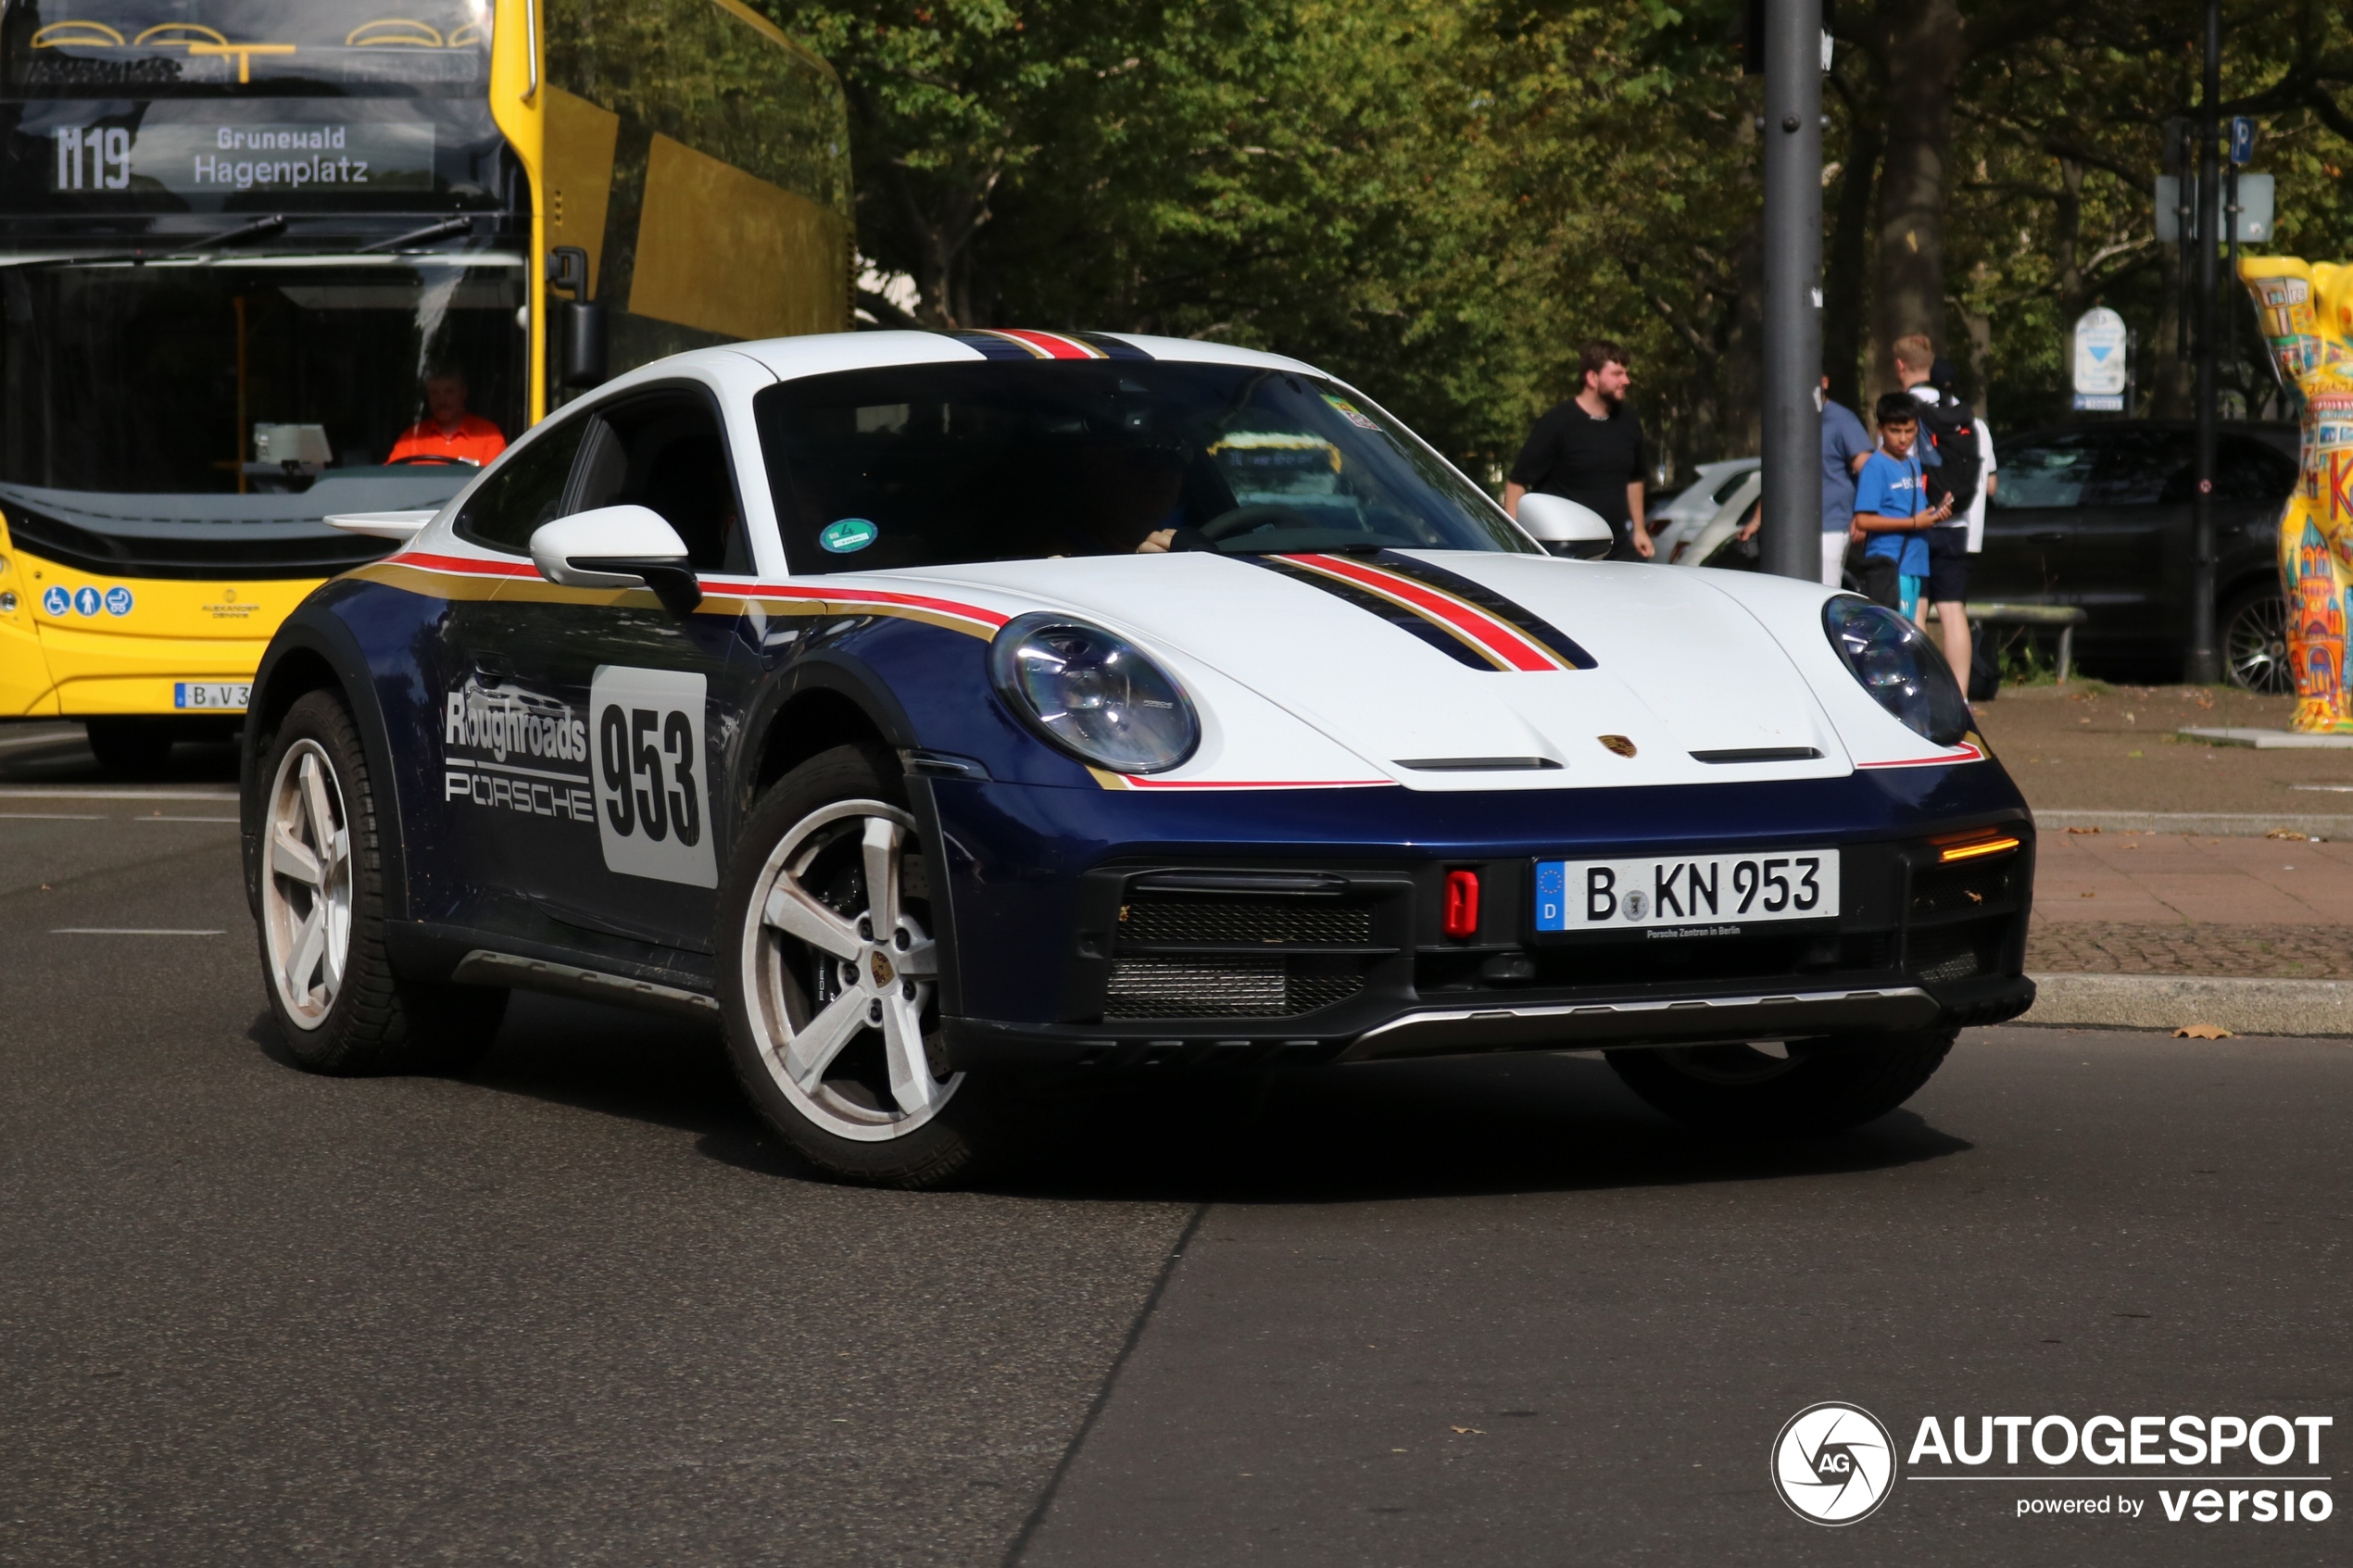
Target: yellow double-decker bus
[263, 262]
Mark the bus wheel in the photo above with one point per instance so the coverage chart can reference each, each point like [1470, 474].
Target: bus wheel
[138, 748]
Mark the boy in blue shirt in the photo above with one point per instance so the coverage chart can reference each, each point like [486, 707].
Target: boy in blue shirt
[1890, 510]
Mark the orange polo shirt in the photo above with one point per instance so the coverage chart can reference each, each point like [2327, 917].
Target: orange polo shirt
[476, 441]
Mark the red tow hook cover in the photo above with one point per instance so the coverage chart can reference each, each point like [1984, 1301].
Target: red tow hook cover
[1462, 904]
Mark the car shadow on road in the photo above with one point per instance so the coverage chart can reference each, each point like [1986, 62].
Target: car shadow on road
[1460, 1126]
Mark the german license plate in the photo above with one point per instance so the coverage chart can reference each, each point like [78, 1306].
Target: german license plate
[211, 696]
[1699, 895]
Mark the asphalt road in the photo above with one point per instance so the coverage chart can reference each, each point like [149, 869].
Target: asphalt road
[575, 1308]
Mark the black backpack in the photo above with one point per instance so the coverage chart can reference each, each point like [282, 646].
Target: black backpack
[1949, 427]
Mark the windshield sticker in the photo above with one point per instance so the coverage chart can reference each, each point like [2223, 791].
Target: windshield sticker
[848, 535]
[1350, 412]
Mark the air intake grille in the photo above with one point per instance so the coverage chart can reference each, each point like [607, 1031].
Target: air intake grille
[1941, 955]
[1247, 921]
[1220, 987]
[1970, 887]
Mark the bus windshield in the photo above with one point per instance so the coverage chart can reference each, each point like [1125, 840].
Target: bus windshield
[239, 375]
[228, 48]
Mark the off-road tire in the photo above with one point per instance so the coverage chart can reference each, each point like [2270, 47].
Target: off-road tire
[1823, 1087]
[969, 1132]
[378, 1023]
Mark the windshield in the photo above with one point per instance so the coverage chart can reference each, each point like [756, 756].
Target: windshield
[234, 48]
[934, 465]
[252, 374]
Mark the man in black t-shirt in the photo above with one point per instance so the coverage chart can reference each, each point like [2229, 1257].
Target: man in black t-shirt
[1589, 449]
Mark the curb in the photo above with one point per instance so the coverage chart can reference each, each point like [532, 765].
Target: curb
[2169, 1001]
[2207, 824]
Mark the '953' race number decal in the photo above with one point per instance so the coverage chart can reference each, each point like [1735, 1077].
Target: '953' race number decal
[653, 802]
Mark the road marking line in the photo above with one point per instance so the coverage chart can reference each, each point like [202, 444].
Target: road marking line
[61, 738]
[164, 819]
[49, 817]
[66, 792]
[127, 931]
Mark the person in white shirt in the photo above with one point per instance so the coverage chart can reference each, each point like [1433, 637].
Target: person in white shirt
[1985, 488]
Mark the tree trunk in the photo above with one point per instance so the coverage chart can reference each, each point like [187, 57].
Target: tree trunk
[1923, 57]
[1740, 379]
[1846, 274]
[2068, 224]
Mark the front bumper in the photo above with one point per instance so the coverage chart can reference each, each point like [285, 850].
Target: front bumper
[1317, 952]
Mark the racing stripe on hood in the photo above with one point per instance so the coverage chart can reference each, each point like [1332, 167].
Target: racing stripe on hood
[1406, 620]
[1527, 621]
[1440, 607]
[1011, 343]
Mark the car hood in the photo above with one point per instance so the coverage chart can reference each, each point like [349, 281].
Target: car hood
[1599, 660]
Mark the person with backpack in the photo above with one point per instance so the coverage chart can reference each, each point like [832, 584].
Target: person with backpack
[1949, 455]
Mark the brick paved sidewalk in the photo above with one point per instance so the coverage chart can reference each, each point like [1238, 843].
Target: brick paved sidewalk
[2163, 904]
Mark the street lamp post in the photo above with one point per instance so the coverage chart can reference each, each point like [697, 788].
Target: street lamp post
[2205, 661]
[1792, 130]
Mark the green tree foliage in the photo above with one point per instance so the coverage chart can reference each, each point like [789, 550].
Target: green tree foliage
[1440, 199]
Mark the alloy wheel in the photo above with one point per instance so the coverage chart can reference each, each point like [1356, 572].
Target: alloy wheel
[306, 886]
[840, 973]
[2255, 647]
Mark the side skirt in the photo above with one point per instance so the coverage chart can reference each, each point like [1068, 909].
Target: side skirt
[482, 966]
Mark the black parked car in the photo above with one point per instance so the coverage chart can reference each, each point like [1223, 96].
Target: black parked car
[2099, 515]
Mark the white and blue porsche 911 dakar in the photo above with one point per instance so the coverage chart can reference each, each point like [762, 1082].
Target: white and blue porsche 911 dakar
[937, 711]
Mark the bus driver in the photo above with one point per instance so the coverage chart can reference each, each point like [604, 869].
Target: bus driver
[447, 432]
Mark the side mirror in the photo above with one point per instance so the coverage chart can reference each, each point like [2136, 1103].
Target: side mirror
[579, 336]
[580, 329]
[1565, 527]
[618, 548]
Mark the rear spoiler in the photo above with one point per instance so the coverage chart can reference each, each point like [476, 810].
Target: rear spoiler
[403, 526]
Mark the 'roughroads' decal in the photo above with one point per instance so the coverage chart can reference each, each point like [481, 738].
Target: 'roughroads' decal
[514, 750]
[653, 803]
[1473, 625]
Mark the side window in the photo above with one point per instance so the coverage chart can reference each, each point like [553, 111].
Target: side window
[2052, 473]
[527, 490]
[2142, 470]
[664, 452]
[2247, 470]
[1732, 482]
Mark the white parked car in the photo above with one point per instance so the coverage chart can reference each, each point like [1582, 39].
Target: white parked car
[1698, 503]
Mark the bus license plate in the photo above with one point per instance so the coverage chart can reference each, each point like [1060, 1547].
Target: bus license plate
[211, 697]
[1719, 893]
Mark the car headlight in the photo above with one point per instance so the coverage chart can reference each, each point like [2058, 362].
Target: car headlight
[1096, 695]
[1900, 668]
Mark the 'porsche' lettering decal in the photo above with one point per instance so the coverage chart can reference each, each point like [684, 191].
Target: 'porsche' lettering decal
[513, 750]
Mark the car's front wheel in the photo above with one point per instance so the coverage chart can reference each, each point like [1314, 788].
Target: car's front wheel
[830, 981]
[1802, 1089]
